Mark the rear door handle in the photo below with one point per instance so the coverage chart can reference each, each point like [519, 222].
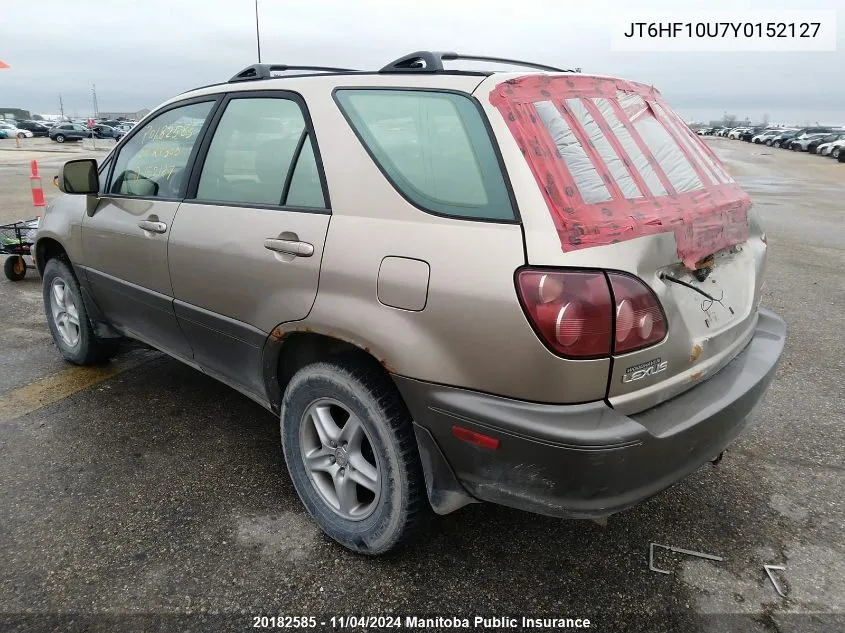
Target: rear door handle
[153, 226]
[289, 247]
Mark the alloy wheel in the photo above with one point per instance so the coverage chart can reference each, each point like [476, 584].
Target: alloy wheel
[339, 459]
[65, 312]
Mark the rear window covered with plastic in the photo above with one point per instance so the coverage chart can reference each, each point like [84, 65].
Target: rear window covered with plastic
[615, 162]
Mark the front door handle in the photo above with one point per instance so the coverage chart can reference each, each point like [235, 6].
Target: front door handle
[153, 226]
[289, 247]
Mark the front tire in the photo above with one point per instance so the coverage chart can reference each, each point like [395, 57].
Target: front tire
[60, 138]
[836, 153]
[841, 156]
[15, 268]
[68, 318]
[350, 450]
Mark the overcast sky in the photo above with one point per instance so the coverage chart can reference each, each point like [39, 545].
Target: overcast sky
[141, 53]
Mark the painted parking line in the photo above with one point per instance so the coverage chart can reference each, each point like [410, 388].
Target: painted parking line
[23, 400]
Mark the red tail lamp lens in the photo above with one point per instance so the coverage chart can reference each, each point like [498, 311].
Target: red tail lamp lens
[639, 318]
[571, 311]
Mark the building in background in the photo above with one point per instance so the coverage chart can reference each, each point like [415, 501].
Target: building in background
[14, 113]
[134, 116]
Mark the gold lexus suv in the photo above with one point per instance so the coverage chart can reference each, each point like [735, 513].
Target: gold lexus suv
[536, 288]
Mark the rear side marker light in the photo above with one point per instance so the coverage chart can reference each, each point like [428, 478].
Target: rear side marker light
[576, 316]
[484, 441]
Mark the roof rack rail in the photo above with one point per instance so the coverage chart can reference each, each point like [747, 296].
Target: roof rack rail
[432, 62]
[265, 71]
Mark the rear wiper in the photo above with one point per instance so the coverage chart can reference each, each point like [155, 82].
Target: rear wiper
[704, 305]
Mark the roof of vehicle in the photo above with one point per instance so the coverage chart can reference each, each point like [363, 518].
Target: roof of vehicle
[420, 69]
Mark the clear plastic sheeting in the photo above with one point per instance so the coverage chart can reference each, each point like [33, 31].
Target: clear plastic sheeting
[640, 161]
[672, 161]
[695, 140]
[685, 188]
[600, 141]
[690, 148]
[584, 173]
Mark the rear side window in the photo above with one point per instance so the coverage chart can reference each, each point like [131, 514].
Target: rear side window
[433, 147]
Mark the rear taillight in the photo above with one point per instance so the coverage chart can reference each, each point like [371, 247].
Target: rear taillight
[639, 318]
[571, 311]
[574, 313]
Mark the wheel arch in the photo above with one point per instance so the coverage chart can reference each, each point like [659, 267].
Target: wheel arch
[46, 249]
[288, 350]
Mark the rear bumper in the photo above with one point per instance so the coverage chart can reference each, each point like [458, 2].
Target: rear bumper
[584, 460]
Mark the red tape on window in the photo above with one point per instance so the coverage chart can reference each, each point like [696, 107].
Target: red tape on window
[704, 221]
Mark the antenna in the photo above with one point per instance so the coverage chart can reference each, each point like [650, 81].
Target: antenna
[257, 34]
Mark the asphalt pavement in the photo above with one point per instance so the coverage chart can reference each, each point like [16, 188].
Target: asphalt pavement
[146, 496]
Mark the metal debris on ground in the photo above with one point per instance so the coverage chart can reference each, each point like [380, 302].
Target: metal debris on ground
[678, 550]
[771, 576]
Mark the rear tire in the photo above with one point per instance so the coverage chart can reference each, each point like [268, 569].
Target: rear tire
[15, 268]
[60, 138]
[68, 319]
[321, 403]
[769, 143]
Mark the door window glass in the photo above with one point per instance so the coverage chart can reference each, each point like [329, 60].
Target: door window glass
[154, 162]
[255, 144]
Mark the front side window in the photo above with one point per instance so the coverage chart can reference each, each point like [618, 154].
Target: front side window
[258, 142]
[433, 147]
[154, 162]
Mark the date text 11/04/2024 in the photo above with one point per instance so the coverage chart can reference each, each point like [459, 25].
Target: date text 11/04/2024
[420, 622]
[723, 29]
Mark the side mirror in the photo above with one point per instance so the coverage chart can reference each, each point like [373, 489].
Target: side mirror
[79, 176]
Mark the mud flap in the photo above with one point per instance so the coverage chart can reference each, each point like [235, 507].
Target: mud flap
[445, 493]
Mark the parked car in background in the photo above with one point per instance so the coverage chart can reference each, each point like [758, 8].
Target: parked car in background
[107, 131]
[209, 233]
[837, 150]
[734, 133]
[763, 136]
[802, 142]
[828, 138]
[36, 127]
[12, 130]
[750, 133]
[3, 134]
[69, 132]
[109, 122]
[780, 139]
[827, 149]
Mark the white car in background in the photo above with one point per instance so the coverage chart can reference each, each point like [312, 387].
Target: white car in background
[800, 144]
[768, 135]
[734, 133]
[831, 149]
[12, 131]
